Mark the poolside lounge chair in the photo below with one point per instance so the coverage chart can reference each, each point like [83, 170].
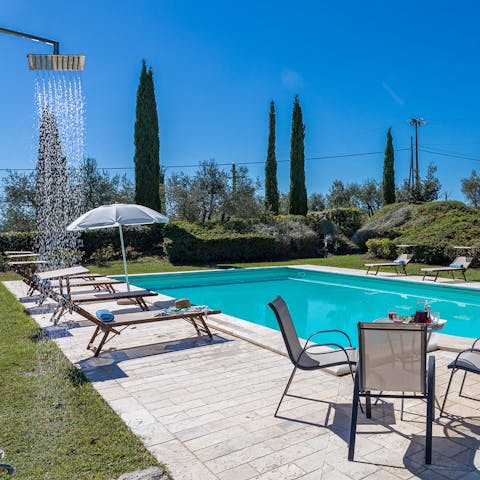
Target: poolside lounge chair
[18, 255]
[468, 361]
[65, 301]
[393, 358]
[26, 267]
[400, 262]
[17, 252]
[460, 264]
[302, 357]
[123, 321]
[37, 280]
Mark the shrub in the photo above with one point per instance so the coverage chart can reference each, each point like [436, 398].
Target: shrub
[326, 229]
[17, 241]
[103, 255]
[384, 223]
[349, 220]
[381, 248]
[295, 238]
[145, 239]
[186, 242]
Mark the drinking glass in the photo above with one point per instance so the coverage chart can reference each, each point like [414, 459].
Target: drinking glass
[392, 315]
[435, 316]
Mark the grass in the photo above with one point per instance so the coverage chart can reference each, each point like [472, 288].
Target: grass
[157, 265]
[53, 423]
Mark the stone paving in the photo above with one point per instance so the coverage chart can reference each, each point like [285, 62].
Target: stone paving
[205, 408]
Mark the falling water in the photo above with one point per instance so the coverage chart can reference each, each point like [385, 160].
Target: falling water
[59, 190]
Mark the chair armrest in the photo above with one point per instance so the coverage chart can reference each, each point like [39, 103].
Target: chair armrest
[329, 331]
[475, 342]
[305, 348]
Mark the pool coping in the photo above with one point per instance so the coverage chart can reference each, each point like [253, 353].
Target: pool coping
[271, 339]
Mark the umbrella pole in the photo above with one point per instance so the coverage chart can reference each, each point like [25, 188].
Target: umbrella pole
[124, 257]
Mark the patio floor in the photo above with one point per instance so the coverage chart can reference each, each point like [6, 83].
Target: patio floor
[205, 408]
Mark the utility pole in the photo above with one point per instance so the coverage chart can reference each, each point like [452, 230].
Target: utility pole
[234, 178]
[416, 122]
[411, 175]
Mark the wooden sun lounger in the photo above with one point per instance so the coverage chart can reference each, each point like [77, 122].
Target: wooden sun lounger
[35, 282]
[66, 302]
[17, 252]
[14, 256]
[123, 321]
[26, 267]
[406, 258]
[97, 283]
[435, 271]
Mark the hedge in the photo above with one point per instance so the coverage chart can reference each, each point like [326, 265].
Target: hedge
[17, 241]
[148, 240]
[191, 243]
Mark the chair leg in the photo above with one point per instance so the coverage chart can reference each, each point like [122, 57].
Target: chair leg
[286, 390]
[446, 393]
[402, 407]
[368, 405]
[430, 410]
[463, 383]
[353, 424]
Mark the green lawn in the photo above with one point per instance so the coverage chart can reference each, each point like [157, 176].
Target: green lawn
[156, 264]
[54, 425]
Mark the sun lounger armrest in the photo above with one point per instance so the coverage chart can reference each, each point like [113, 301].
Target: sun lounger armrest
[329, 331]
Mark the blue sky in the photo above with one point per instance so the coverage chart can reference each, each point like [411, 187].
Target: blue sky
[358, 67]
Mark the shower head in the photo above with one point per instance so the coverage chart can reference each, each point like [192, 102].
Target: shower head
[56, 62]
[49, 62]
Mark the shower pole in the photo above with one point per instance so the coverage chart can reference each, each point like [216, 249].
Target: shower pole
[53, 43]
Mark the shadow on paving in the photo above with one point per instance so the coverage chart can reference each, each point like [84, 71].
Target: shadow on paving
[106, 366]
[453, 454]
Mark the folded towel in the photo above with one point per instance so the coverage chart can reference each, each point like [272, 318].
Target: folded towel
[456, 265]
[105, 315]
[399, 262]
[46, 283]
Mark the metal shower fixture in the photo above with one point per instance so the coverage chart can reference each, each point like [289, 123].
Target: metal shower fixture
[49, 62]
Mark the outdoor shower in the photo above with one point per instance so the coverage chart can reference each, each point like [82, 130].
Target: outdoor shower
[59, 188]
[49, 62]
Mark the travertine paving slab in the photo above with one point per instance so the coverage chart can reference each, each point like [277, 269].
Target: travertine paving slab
[205, 408]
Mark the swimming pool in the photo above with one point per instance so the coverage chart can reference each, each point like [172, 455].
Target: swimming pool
[317, 300]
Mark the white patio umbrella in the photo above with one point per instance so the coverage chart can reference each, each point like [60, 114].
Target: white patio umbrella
[117, 215]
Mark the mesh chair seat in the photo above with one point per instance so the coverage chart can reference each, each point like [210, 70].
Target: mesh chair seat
[325, 358]
[469, 360]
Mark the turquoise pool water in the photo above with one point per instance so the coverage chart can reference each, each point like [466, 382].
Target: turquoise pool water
[317, 300]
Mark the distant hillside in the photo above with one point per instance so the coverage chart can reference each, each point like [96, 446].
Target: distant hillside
[437, 226]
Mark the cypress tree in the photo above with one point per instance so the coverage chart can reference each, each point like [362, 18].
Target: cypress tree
[271, 186]
[388, 184]
[147, 145]
[297, 197]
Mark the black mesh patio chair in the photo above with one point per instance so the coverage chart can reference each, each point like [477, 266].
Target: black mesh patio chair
[393, 358]
[468, 361]
[302, 357]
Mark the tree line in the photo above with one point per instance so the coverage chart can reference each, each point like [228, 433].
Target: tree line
[215, 194]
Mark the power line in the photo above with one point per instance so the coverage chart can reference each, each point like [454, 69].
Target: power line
[464, 157]
[325, 157]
